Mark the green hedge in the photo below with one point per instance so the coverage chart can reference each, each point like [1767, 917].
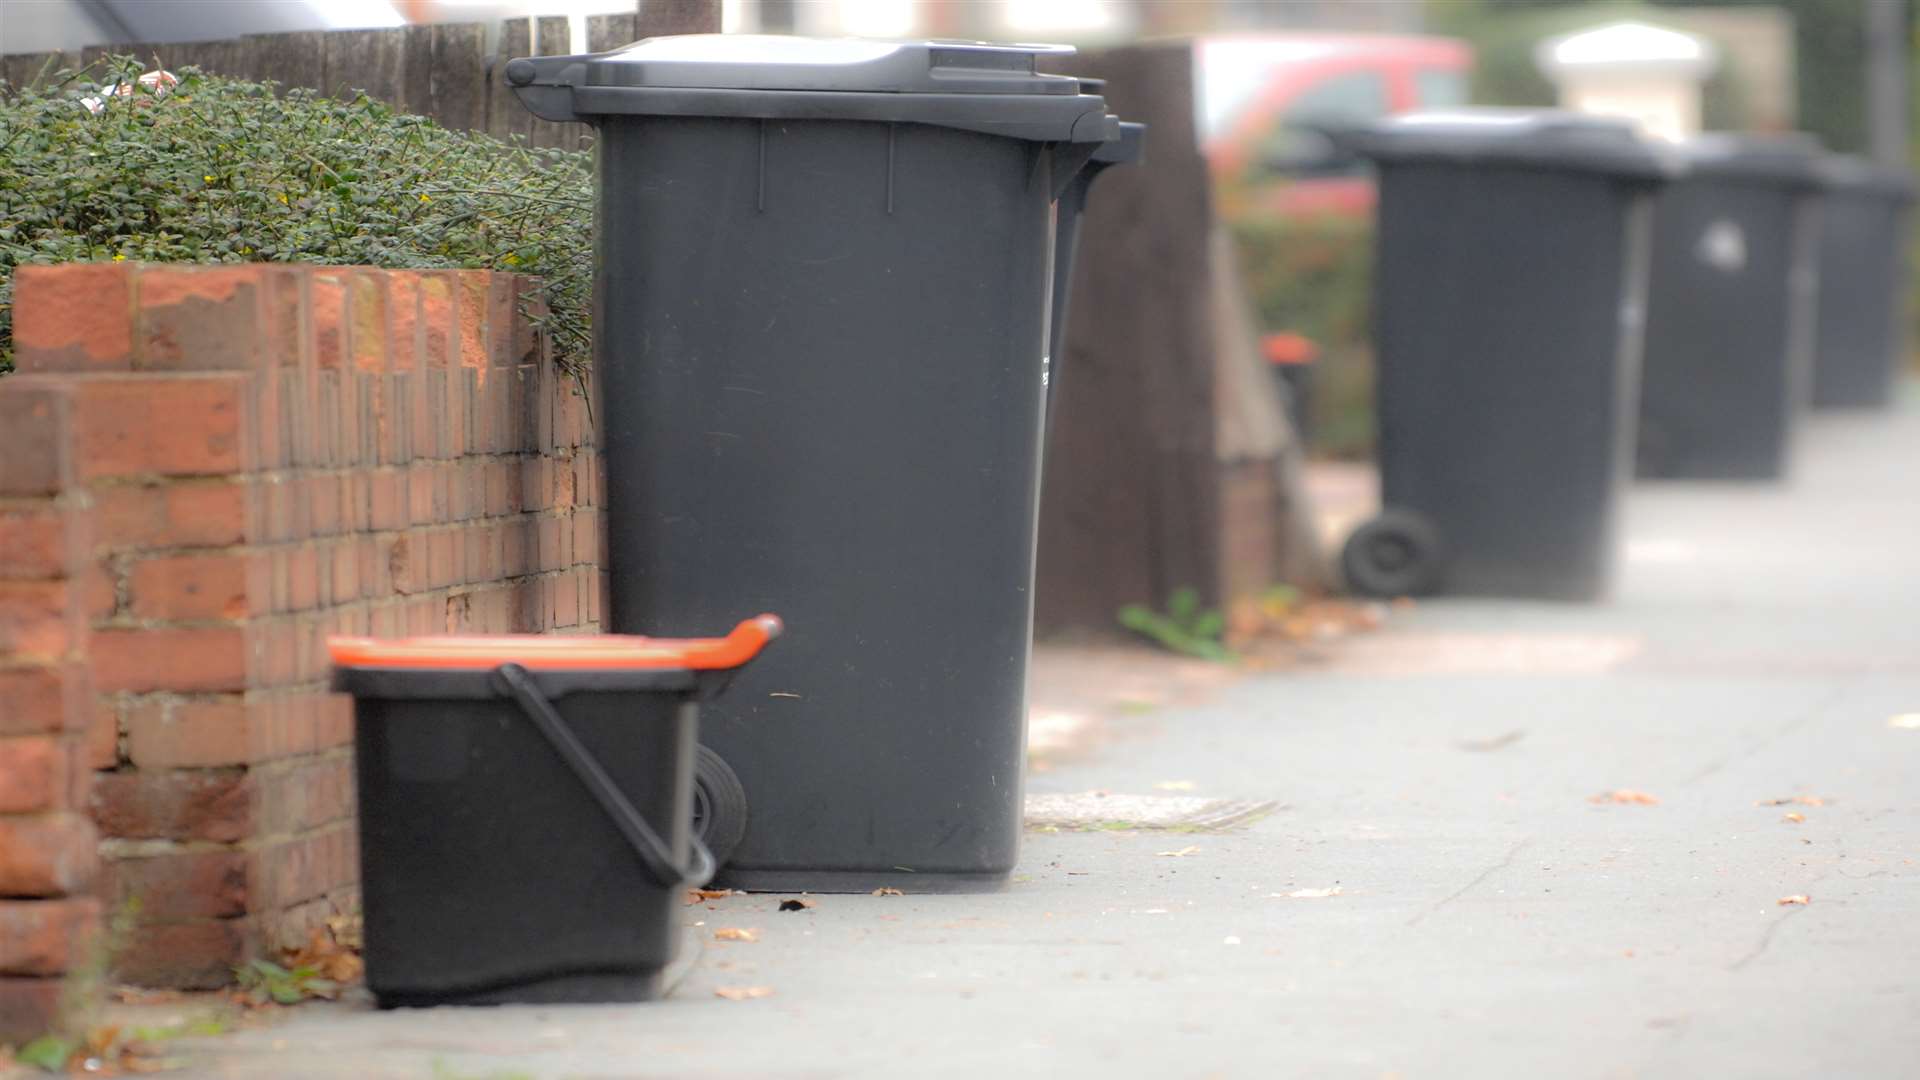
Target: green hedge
[217, 170]
[1313, 276]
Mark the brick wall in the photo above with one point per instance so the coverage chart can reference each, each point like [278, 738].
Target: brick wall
[48, 846]
[271, 454]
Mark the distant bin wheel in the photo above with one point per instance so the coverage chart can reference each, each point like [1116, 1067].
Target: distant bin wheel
[719, 805]
[1397, 553]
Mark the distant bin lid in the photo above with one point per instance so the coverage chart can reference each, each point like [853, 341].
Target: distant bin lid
[971, 85]
[1792, 159]
[1547, 139]
[1851, 173]
[548, 652]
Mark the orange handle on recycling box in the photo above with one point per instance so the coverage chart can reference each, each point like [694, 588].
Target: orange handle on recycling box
[553, 652]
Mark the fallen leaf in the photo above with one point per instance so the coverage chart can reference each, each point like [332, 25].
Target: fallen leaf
[1174, 785]
[1498, 742]
[695, 896]
[795, 905]
[1796, 898]
[1626, 797]
[743, 993]
[884, 891]
[1794, 816]
[736, 933]
[1308, 894]
[1181, 854]
[1906, 721]
[1793, 800]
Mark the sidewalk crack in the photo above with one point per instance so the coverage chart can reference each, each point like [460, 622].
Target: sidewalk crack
[1479, 879]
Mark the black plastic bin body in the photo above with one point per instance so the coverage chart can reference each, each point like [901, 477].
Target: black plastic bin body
[491, 869]
[1860, 344]
[1509, 289]
[821, 330]
[1730, 314]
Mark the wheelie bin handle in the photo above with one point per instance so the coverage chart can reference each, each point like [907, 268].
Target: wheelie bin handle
[1128, 149]
[559, 652]
[653, 852]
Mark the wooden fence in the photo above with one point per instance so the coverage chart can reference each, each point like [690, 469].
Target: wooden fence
[443, 71]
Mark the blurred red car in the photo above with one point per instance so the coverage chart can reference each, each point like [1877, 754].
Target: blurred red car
[1264, 101]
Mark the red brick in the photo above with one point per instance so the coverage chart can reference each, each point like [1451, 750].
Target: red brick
[181, 885]
[370, 324]
[33, 774]
[470, 296]
[193, 587]
[272, 447]
[586, 537]
[345, 557]
[36, 414]
[327, 304]
[303, 578]
[196, 955]
[332, 721]
[99, 584]
[536, 483]
[548, 554]
[183, 659]
[42, 539]
[519, 538]
[155, 424]
[30, 1007]
[566, 599]
[387, 500]
[439, 318]
[38, 618]
[43, 698]
[47, 854]
[285, 286]
[103, 735]
[45, 937]
[196, 733]
[73, 317]
[406, 563]
[180, 513]
[200, 318]
[405, 331]
[443, 567]
[217, 805]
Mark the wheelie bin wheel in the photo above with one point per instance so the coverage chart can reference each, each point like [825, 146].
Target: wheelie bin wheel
[719, 805]
[1397, 553]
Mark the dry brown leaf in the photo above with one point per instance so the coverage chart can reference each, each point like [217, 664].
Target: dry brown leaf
[695, 896]
[1794, 800]
[800, 904]
[884, 891]
[743, 993]
[1796, 898]
[1181, 854]
[736, 933]
[1794, 816]
[1626, 797]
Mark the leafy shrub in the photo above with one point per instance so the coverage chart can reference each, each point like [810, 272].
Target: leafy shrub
[218, 170]
[1313, 276]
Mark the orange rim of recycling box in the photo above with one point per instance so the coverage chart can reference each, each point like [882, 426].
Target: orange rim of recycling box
[550, 652]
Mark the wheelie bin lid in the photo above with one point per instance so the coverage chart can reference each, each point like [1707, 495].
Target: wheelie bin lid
[1789, 160]
[970, 85]
[552, 652]
[1544, 139]
[1849, 173]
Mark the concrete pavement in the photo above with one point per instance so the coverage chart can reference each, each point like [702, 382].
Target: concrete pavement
[1437, 895]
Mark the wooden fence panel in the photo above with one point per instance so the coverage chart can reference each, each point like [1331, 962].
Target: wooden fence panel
[457, 83]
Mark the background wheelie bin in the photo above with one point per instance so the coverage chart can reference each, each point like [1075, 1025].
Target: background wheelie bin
[1509, 287]
[822, 321]
[1730, 310]
[525, 810]
[1861, 341]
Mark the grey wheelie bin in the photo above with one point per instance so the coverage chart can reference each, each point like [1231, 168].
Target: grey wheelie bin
[1860, 342]
[823, 285]
[1731, 308]
[1509, 284]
